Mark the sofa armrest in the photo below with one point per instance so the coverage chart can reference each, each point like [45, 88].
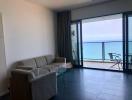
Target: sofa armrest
[24, 67]
[60, 59]
[19, 85]
[21, 72]
[39, 88]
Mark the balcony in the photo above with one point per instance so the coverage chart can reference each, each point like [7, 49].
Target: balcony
[96, 54]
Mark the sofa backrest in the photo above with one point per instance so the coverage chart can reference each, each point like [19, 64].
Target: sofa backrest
[50, 59]
[40, 61]
[36, 62]
[29, 62]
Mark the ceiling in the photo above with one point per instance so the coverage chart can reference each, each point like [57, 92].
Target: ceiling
[67, 4]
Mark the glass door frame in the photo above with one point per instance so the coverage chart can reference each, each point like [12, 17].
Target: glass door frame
[79, 37]
[125, 42]
[122, 42]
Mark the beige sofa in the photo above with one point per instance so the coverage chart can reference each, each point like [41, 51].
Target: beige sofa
[24, 86]
[35, 78]
[48, 62]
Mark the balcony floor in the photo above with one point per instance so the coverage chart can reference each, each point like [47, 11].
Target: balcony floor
[101, 65]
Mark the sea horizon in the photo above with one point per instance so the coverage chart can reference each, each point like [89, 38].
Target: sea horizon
[93, 50]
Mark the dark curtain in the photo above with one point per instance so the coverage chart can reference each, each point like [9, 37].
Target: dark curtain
[63, 35]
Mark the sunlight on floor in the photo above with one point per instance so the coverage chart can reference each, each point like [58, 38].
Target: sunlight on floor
[102, 65]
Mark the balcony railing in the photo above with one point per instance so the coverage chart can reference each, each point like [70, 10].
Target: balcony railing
[100, 50]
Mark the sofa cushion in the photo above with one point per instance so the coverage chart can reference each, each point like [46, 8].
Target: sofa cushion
[51, 68]
[29, 63]
[50, 59]
[40, 61]
[40, 71]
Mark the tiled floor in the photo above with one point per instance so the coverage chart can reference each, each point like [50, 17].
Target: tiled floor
[86, 84]
[102, 65]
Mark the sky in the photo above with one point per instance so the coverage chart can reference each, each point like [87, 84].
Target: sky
[102, 30]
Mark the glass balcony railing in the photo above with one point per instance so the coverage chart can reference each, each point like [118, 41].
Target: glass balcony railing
[100, 50]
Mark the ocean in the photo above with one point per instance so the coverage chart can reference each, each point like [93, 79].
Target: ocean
[93, 50]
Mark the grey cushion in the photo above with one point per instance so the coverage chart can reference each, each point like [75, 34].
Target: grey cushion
[29, 63]
[40, 61]
[40, 72]
[50, 59]
[52, 68]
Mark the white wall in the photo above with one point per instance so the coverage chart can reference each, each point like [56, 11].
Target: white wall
[2, 59]
[112, 7]
[28, 31]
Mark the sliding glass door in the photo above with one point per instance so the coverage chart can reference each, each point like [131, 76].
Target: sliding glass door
[102, 42]
[128, 41]
[83, 50]
[76, 43]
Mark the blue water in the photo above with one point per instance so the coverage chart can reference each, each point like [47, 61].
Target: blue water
[94, 50]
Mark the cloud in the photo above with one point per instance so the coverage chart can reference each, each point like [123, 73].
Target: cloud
[104, 30]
